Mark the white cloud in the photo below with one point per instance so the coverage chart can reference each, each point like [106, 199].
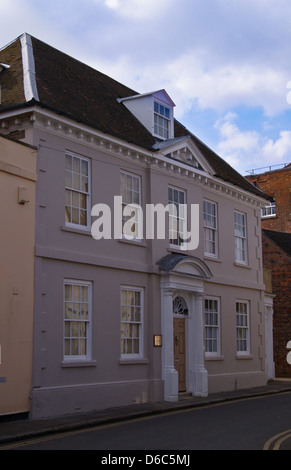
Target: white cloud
[279, 150]
[223, 86]
[246, 150]
[137, 9]
[192, 80]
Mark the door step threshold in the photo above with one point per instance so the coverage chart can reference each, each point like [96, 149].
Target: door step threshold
[182, 395]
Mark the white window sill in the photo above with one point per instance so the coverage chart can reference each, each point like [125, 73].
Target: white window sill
[212, 258]
[244, 356]
[241, 265]
[176, 249]
[213, 358]
[135, 242]
[82, 231]
[80, 363]
[129, 361]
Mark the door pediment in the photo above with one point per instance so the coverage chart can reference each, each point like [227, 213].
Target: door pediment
[185, 265]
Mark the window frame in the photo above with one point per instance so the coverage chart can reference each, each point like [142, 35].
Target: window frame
[132, 355]
[213, 230]
[212, 326]
[243, 239]
[159, 116]
[69, 358]
[87, 193]
[137, 206]
[246, 327]
[271, 208]
[180, 243]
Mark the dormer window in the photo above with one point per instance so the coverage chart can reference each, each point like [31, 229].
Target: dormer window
[155, 110]
[161, 120]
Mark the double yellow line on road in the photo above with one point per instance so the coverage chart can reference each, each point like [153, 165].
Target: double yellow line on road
[275, 442]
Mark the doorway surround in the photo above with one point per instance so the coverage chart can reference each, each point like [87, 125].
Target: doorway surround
[184, 276]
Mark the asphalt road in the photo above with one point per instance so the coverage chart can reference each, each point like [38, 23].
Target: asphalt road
[247, 424]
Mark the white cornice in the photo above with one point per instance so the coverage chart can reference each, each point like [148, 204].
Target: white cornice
[69, 129]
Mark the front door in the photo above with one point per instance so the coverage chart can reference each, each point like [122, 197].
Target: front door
[180, 352]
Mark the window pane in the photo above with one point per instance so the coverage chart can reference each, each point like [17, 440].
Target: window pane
[68, 310]
[76, 165]
[84, 311]
[67, 347]
[69, 164]
[68, 179]
[84, 167]
[68, 292]
[74, 347]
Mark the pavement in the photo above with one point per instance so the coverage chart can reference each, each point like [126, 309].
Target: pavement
[13, 430]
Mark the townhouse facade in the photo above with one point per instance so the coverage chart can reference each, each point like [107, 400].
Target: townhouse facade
[127, 310]
[17, 209]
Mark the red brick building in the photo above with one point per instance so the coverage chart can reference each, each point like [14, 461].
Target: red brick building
[277, 257]
[276, 183]
[276, 240]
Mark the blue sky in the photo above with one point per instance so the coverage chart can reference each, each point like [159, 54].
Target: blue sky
[225, 63]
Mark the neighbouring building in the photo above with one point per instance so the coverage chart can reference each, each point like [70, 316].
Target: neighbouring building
[131, 317]
[277, 258]
[276, 224]
[17, 209]
[276, 183]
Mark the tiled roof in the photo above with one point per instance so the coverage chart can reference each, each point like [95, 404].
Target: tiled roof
[282, 239]
[77, 91]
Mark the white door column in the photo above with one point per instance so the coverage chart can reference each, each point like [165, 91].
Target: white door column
[170, 375]
[200, 382]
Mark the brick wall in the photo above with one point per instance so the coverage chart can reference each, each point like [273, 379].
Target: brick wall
[277, 184]
[280, 264]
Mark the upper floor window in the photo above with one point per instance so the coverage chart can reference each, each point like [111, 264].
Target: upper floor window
[210, 228]
[77, 190]
[240, 231]
[130, 187]
[161, 120]
[177, 216]
[269, 210]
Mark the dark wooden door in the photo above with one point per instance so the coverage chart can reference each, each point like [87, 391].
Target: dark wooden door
[180, 352]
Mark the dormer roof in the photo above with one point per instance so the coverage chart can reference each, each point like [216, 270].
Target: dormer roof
[161, 94]
[40, 75]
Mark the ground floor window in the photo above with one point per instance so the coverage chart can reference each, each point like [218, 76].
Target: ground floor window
[131, 322]
[242, 327]
[77, 319]
[212, 326]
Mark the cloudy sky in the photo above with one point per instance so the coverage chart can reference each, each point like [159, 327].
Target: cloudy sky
[225, 63]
